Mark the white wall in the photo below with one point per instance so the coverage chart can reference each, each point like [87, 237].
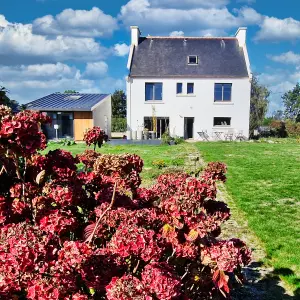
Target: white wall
[201, 105]
[102, 115]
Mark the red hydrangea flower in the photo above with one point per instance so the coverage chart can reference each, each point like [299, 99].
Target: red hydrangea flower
[133, 240]
[127, 287]
[161, 280]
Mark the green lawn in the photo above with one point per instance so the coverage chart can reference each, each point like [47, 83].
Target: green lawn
[264, 181]
[173, 156]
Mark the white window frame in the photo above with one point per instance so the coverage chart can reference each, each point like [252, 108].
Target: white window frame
[222, 125]
[193, 64]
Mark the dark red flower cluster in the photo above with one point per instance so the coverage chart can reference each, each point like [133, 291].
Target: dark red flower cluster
[88, 158]
[21, 132]
[95, 136]
[97, 234]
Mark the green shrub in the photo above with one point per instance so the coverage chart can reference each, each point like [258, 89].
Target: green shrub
[118, 124]
[177, 162]
[178, 140]
[166, 138]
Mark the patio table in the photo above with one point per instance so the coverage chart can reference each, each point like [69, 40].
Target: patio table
[218, 135]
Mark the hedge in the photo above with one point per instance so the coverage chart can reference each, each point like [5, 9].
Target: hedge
[118, 124]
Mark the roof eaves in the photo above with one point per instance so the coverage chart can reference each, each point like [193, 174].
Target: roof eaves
[59, 109]
[187, 76]
[100, 102]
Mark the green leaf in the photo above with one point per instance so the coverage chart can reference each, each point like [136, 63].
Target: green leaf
[80, 210]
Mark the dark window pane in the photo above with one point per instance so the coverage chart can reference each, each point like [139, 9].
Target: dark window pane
[179, 88]
[149, 91]
[222, 121]
[192, 59]
[227, 92]
[148, 123]
[218, 92]
[157, 91]
[190, 88]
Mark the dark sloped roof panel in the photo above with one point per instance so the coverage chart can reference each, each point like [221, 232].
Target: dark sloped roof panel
[66, 102]
[163, 57]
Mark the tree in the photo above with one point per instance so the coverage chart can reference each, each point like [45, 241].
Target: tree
[291, 101]
[258, 104]
[278, 115]
[5, 100]
[118, 100]
[70, 92]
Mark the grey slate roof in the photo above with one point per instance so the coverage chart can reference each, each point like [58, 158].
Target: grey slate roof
[66, 102]
[163, 57]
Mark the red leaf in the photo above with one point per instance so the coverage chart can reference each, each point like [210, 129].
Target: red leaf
[88, 230]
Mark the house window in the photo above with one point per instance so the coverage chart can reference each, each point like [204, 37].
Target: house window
[153, 91]
[179, 88]
[222, 121]
[190, 88]
[223, 91]
[193, 60]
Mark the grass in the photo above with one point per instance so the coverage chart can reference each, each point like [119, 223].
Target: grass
[264, 182]
[172, 156]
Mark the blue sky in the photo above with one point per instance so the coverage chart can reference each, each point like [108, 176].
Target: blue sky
[51, 45]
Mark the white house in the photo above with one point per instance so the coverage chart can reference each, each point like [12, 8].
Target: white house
[189, 84]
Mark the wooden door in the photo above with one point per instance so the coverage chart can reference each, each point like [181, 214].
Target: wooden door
[83, 120]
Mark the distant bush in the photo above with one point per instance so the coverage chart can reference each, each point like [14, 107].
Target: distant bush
[118, 124]
[278, 127]
[286, 128]
[292, 128]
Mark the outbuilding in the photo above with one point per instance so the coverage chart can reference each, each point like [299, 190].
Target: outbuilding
[73, 114]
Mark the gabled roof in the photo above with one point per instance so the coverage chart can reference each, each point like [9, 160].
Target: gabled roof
[67, 102]
[167, 56]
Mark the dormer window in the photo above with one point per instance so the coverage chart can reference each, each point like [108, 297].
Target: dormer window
[193, 60]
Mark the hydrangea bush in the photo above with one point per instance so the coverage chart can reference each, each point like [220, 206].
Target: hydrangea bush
[97, 234]
[95, 136]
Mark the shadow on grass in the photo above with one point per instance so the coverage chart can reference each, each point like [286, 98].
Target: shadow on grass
[263, 284]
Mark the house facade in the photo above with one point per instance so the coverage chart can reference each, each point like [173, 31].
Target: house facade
[73, 114]
[188, 85]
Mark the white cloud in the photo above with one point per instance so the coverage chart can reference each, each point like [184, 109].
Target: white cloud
[3, 22]
[249, 15]
[121, 49]
[278, 81]
[162, 19]
[19, 45]
[81, 23]
[95, 69]
[28, 83]
[176, 33]
[287, 58]
[38, 72]
[273, 29]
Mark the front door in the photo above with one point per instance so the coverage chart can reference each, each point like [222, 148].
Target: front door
[188, 128]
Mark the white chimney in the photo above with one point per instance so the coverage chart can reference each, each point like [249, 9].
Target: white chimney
[135, 35]
[241, 36]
